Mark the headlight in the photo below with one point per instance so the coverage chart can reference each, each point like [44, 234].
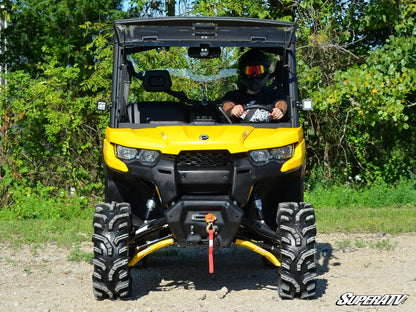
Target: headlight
[125, 152]
[145, 157]
[283, 152]
[260, 155]
[279, 153]
[148, 157]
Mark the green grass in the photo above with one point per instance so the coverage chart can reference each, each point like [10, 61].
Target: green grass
[378, 195]
[366, 220]
[77, 255]
[64, 232]
[381, 207]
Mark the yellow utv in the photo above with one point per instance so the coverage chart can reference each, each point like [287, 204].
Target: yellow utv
[179, 171]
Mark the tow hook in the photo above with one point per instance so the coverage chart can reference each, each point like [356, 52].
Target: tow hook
[211, 228]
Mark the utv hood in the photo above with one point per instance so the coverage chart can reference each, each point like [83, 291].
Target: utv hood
[174, 139]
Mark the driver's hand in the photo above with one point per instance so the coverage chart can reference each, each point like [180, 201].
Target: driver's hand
[276, 113]
[237, 111]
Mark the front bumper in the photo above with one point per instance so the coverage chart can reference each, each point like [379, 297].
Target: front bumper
[235, 180]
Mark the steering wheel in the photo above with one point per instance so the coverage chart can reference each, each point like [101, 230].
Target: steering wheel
[257, 113]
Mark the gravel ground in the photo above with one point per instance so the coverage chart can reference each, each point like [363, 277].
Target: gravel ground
[178, 280]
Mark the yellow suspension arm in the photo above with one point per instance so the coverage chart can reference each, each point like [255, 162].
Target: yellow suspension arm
[268, 255]
[152, 248]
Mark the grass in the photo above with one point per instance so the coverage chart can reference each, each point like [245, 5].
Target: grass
[366, 220]
[77, 255]
[381, 207]
[67, 233]
[64, 232]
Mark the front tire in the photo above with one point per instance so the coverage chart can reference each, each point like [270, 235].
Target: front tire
[112, 225]
[296, 231]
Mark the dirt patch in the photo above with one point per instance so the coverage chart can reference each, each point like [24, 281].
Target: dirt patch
[178, 280]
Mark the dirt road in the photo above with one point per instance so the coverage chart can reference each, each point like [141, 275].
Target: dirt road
[178, 280]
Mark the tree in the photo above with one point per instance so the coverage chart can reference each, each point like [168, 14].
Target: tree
[361, 75]
[42, 28]
[144, 8]
[50, 132]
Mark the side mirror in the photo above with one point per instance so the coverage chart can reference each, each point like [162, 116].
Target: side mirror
[307, 104]
[101, 106]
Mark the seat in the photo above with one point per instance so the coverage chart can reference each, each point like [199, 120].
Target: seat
[151, 112]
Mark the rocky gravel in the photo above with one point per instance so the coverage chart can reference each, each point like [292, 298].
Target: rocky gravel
[43, 279]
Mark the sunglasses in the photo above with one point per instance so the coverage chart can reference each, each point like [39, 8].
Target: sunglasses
[254, 69]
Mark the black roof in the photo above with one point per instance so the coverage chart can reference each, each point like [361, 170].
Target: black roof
[203, 31]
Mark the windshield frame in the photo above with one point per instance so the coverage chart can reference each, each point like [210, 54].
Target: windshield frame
[207, 31]
[138, 35]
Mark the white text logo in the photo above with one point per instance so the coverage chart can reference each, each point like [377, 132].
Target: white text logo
[350, 299]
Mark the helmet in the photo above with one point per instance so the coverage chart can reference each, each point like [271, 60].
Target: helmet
[253, 70]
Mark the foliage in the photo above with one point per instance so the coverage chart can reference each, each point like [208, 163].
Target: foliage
[186, 74]
[42, 203]
[39, 27]
[362, 117]
[50, 135]
[145, 8]
[362, 80]
[245, 8]
[50, 132]
[356, 60]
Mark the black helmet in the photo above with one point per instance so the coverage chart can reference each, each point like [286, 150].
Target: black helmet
[253, 70]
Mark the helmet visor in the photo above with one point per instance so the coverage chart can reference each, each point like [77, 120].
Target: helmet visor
[254, 69]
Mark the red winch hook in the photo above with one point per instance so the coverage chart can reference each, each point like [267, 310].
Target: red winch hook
[210, 218]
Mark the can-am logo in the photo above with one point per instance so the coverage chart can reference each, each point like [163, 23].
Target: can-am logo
[350, 299]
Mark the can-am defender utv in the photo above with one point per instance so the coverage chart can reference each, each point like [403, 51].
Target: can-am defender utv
[179, 171]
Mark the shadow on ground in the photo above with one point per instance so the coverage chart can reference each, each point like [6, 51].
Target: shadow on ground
[236, 269]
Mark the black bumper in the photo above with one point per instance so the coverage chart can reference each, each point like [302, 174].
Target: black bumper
[235, 180]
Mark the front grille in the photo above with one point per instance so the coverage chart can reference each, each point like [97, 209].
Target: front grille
[204, 158]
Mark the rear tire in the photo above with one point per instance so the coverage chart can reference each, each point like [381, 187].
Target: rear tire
[112, 225]
[296, 231]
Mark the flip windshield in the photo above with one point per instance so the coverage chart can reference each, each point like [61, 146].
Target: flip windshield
[199, 78]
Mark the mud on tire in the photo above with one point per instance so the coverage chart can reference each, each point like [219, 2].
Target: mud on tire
[111, 277]
[296, 231]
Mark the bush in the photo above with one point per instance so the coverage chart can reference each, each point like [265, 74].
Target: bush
[51, 133]
[41, 203]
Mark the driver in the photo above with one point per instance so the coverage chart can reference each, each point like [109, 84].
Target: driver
[253, 73]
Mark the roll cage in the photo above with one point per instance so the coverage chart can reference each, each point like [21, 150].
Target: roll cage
[205, 35]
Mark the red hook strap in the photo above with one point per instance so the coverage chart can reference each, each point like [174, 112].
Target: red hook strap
[211, 250]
